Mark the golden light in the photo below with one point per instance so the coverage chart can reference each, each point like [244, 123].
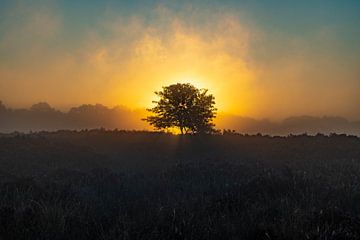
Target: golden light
[185, 57]
[195, 81]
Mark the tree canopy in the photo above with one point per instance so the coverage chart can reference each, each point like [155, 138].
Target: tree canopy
[185, 107]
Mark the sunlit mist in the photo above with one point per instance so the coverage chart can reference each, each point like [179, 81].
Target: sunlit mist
[251, 60]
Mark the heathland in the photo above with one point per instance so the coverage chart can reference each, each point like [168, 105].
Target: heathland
[99, 184]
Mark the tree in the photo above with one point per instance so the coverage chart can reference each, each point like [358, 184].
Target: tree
[2, 107]
[185, 107]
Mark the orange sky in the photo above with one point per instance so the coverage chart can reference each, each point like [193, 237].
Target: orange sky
[124, 59]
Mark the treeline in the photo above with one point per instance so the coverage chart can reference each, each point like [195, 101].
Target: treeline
[43, 117]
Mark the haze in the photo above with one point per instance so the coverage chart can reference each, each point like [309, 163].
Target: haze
[260, 59]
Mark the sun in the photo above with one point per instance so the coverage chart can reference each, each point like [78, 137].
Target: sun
[196, 81]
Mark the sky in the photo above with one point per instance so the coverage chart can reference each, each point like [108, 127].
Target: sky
[263, 59]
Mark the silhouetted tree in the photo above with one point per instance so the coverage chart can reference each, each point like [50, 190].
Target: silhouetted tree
[185, 107]
[2, 107]
[42, 107]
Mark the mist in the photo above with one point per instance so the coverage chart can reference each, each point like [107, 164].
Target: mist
[43, 117]
[253, 68]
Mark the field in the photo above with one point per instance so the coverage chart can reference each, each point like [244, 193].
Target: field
[101, 184]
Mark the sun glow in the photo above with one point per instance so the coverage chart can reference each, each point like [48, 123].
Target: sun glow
[195, 81]
[128, 70]
[215, 85]
[121, 59]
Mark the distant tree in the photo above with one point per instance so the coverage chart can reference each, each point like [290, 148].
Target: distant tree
[2, 107]
[185, 107]
[42, 107]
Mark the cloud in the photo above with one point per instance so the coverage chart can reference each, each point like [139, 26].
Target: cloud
[27, 50]
[29, 28]
[170, 49]
[308, 74]
[122, 59]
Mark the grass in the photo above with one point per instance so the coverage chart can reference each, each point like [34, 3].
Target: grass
[137, 185]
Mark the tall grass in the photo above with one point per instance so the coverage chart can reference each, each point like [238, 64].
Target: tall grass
[121, 185]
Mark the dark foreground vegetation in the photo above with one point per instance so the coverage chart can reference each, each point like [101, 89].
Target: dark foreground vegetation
[137, 185]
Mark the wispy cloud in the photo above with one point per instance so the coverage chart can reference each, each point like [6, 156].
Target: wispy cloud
[122, 59]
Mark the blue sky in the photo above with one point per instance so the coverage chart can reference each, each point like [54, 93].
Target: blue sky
[281, 17]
